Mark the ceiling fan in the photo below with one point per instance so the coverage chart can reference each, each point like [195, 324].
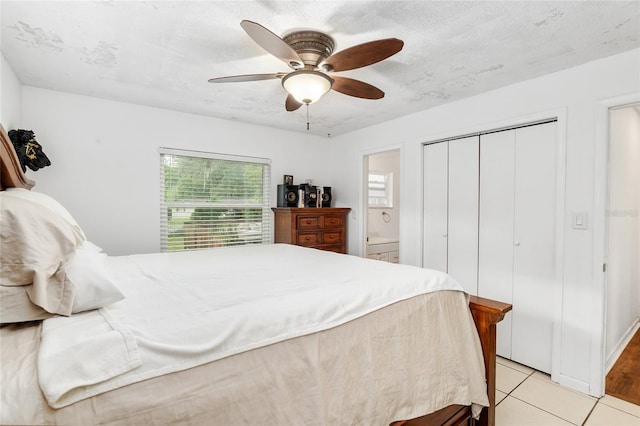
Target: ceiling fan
[310, 54]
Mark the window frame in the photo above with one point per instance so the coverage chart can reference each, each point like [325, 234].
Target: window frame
[264, 206]
[380, 182]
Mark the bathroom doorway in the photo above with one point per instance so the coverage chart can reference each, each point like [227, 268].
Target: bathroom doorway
[382, 204]
[622, 245]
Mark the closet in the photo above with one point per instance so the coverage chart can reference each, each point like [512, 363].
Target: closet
[490, 222]
[451, 209]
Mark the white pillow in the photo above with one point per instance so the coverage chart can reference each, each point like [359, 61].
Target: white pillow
[15, 306]
[47, 266]
[93, 282]
[37, 243]
[45, 201]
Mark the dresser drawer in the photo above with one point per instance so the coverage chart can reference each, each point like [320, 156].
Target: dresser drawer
[308, 222]
[331, 237]
[323, 228]
[332, 221]
[307, 238]
[337, 248]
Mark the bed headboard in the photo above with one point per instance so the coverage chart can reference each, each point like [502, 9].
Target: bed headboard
[11, 174]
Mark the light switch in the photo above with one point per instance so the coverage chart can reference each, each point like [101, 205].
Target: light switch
[579, 221]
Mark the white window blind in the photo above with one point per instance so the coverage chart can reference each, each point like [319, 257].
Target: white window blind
[380, 189]
[213, 200]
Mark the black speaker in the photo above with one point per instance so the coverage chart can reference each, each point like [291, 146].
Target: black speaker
[287, 196]
[310, 195]
[326, 196]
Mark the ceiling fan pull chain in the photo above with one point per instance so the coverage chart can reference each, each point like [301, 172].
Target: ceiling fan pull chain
[307, 116]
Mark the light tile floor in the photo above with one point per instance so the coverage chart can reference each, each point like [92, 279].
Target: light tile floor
[528, 397]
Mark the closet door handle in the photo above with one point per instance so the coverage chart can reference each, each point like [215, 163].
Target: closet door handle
[517, 243]
[444, 234]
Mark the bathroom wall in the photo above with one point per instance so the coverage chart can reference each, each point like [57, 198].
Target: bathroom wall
[384, 222]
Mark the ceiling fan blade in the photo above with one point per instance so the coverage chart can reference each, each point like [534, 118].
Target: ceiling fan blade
[356, 88]
[363, 54]
[291, 104]
[247, 77]
[272, 43]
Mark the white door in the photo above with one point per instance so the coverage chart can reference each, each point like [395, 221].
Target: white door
[434, 252]
[517, 238]
[534, 266]
[463, 212]
[495, 268]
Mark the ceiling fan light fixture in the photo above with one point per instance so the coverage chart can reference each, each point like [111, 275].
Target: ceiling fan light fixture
[307, 86]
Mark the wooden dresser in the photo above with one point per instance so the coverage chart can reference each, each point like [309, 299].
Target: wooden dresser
[321, 228]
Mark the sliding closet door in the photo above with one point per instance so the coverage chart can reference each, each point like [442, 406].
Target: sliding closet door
[463, 212]
[534, 236]
[434, 252]
[496, 245]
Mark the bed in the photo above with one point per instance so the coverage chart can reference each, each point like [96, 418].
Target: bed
[257, 334]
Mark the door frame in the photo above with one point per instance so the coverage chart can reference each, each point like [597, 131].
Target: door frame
[363, 193]
[600, 238]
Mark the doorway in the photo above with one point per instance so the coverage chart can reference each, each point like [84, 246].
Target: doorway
[622, 242]
[382, 206]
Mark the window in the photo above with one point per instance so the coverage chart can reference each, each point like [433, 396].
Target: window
[380, 189]
[213, 200]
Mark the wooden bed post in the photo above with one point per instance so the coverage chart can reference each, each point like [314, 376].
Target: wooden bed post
[486, 314]
[11, 174]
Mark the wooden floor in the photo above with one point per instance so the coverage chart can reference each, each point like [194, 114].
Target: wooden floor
[623, 381]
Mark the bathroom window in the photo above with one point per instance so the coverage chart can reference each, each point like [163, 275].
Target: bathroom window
[380, 189]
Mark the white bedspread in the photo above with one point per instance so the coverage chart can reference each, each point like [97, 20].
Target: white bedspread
[185, 309]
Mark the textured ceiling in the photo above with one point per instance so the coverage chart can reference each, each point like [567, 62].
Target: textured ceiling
[161, 53]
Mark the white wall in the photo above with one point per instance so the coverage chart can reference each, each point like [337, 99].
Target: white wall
[573, 95]
[623, 273]
[11, 97]
[105, 161]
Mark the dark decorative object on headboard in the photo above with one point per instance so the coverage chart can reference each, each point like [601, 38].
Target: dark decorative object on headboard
[28, 149]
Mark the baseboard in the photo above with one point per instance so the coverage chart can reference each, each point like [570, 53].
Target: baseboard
[611, 360]
[574, 384]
